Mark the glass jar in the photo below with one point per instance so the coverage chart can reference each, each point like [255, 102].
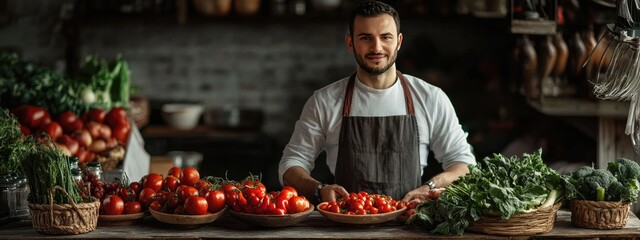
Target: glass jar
[76, 173]
[22, 192]
[95, 169]
[7, 198]
[73, 163]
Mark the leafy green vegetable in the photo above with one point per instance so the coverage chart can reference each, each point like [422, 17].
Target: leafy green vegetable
[498, 186]
[13, 144]
[22, 82]
[104, 85]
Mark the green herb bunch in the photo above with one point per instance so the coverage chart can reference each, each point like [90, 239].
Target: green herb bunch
[497, 185]
[45, 167]
[14, 146]
[23, 82]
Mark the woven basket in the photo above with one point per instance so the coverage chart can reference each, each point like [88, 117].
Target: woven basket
[531, 223]
[599, 214]
[64, 218]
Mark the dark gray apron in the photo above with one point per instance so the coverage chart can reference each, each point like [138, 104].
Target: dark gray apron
[378, 154]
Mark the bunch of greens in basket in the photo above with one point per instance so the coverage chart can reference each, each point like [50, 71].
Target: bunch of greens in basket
[497, 186]
[45, 167]
[619, 182]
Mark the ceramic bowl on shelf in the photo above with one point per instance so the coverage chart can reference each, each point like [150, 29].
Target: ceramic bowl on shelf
[182, 116]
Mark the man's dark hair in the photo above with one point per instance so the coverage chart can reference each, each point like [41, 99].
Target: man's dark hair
[372, 9]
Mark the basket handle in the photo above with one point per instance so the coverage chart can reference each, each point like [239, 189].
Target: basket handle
[73, 203]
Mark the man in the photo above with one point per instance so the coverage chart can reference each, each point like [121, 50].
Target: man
[376, 125]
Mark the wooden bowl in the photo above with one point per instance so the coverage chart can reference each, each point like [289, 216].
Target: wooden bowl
[361, 219]
[272, 220]
[187, 221]
[120, 220]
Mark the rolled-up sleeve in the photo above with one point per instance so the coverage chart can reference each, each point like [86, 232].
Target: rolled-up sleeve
[306, 141]
[449, 142]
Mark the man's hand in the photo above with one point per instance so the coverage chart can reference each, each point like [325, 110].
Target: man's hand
[420, 194]
[332, 192]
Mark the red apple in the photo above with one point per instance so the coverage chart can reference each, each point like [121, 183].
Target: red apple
[105, 131]
[83, 137]
[69, 142]
[93, 128]
[99, 145]
[95, 115]
[53, 129]
[82, 155]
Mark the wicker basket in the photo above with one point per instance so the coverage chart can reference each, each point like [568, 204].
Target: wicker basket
[531, 223]
[599, 214]
[64, 218]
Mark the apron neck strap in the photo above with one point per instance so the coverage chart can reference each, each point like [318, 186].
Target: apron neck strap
[348, 97]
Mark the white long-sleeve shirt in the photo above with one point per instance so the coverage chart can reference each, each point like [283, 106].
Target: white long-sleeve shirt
[318, 128]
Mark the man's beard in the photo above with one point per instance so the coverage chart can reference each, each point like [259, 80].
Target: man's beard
[375, 70]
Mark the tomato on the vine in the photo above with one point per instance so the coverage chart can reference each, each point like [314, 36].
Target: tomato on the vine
[174, 171]
[153, 181]
[216, 200]
[189, 176]
[187, 192]
[196, 205]
[132, 207]
[112, 205]
[297, 204]
[170, 183]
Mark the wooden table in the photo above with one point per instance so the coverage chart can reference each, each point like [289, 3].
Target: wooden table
[314, 227]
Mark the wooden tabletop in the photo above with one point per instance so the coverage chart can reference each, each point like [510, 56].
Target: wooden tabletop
[314, 227]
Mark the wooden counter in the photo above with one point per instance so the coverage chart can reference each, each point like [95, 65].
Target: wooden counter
[315, 227]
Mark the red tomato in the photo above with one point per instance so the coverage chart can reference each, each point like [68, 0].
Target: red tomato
[196, 205]
[121, 133]
[155, 205]
[53, 129]
[127, 194]
[117, 116]
[187, 192]
[132, 207]
[297, 204]
[170, 183]
[290, 189]
[189, 176]
[286, 194]
[69, 122]
[174, 171]
[229, 187]
[136, 187]
[172, 204]
[282, 203]
[153, 181]
[216, 200]
[71, 144]
[147, 195]
[95, 115]
[31, 116]
[112, 205]
[231, 197]
[202, 185]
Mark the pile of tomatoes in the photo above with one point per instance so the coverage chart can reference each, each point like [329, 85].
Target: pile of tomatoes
[181, 192]
[116, 198]
[363, 203]
[251, 196]
[88, 136]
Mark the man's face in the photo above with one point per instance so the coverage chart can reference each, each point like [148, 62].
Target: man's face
[375, 43]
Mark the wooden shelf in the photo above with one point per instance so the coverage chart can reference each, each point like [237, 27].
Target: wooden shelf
[580, 107]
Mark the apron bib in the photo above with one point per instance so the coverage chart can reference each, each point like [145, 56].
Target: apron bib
[378, 154]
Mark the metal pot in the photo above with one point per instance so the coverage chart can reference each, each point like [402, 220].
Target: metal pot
[234, 118]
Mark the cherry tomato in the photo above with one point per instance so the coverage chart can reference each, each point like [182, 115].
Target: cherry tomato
[174, 171]
[147, 195]
[172, 204]
[196, 205]
[153, 181]
[216, 200]
[297, 204]
[290, 189]
[132, 207]
[155, 205]
[136, 187]
[189, 176]
[187, 192]
[112, 205]
[170, 183]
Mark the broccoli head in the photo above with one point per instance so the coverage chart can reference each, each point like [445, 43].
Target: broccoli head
[588, 180]
[626, 171]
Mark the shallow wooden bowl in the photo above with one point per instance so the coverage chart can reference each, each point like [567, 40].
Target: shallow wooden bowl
[360, 219]
[120, 220]
[187, 221]
[272, 220]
